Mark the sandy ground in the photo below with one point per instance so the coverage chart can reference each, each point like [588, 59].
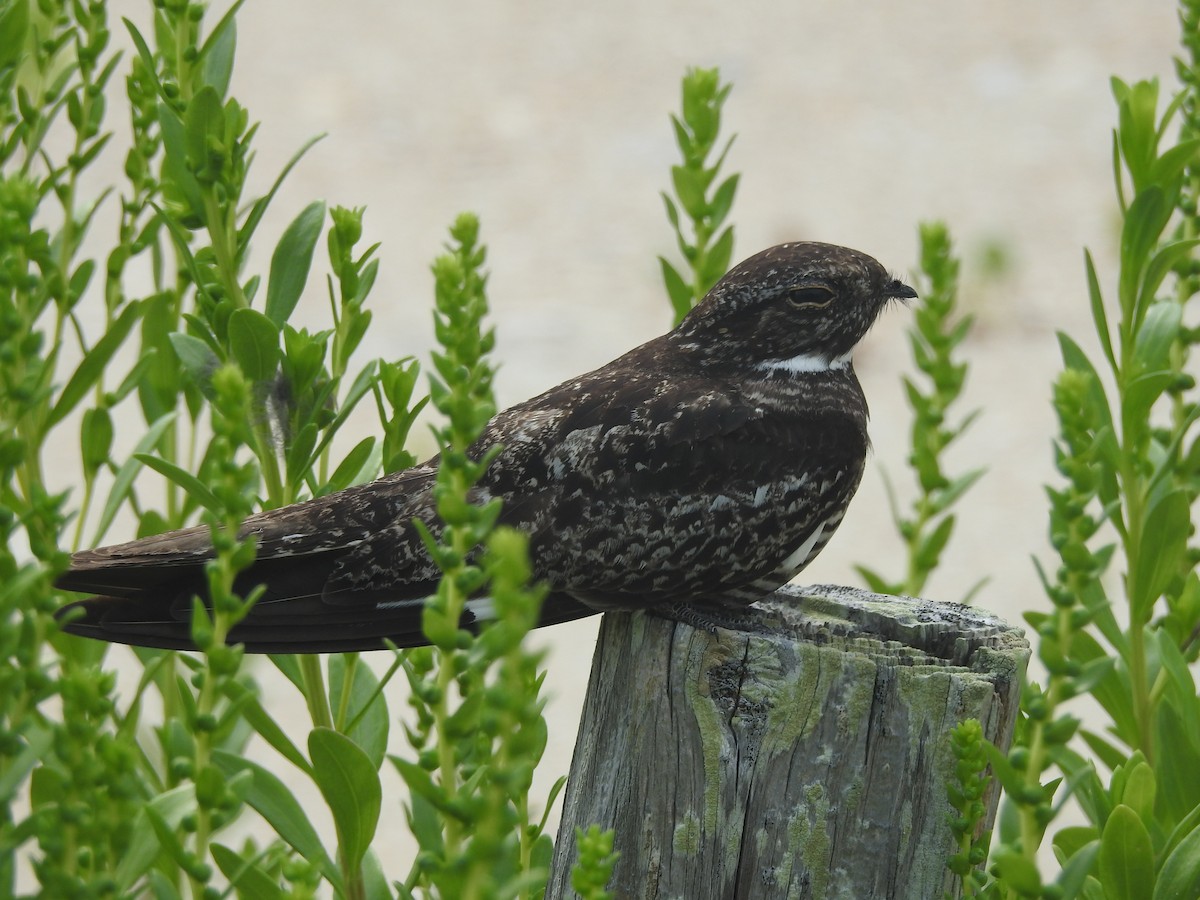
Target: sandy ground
[854, 123]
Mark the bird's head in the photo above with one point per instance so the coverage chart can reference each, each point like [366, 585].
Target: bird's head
[801, 305]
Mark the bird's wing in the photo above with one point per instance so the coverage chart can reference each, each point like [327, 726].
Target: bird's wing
[629, 483]
[145, 587]
[310, 530]
[699, 497]
[632, 484]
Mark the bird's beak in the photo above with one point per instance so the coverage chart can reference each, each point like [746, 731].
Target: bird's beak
[898, 290]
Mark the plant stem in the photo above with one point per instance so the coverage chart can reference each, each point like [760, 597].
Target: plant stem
[314, 690]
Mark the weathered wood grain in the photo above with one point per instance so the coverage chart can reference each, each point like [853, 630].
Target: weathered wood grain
[805, 758]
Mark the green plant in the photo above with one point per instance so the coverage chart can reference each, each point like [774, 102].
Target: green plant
[967, 796]
[479, 731]
[596, 861]
[1130, 459]
[241, 410]
[708, 250]
[935, 337]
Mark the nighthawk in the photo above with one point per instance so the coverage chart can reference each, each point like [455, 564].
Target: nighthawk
[691, 476]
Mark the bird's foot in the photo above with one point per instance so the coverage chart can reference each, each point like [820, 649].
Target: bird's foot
[709, 617]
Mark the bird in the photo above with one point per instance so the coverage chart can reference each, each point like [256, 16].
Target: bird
[689, 477]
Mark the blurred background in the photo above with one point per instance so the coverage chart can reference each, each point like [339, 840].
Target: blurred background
[854, 122]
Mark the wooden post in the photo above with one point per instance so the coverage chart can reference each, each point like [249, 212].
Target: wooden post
[806, 758]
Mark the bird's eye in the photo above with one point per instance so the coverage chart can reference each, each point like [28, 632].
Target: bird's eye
[809, 296]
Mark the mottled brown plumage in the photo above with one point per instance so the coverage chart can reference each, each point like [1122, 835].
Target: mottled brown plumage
[692, 475]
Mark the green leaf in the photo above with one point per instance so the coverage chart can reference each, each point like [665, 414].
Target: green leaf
[92, 366]
[217, 52]
[1070, 840]
[193, 486]
[1140, 788]
[1158, 331]
[350, 469]
[722, 200]
[256, 716]
[1010, 779]
[358, 389]
[125, 475]
[170, 837]
[1175, 767]
[716, 262]
[299, 454]
[95, 439]
[275, 803]
[144, 846]
[1112, 691]
[421, 785]
[1181, 687]
[1140, 394]
[37, 741]
[248, 878]
[930, 549]
[1074, 358]
[350, 785]
[1189, 823]
[1160, 553]
[176, 173]
[204, 121]
[289, 665]
[1145, 220]
[1092, 673]
[1075, 873]
[14, 25]
[254, 343]
[1099, 316]
[260, 205]
[690, 190]
[677, 289]
[877, 582]
[81, 277]
[291, 261]
[1170, 166]
[948, 496]
[424, 823]
[365, 716]
[1179, 878]
[672, 211]
[1017, 872]
[375, 881]
[1137, 106]
[161, 887]
[1126, 862]
[683, 138]
[196, 357]
[1164, 261]
[145, 54]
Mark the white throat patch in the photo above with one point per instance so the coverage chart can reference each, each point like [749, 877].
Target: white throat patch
[806, 362]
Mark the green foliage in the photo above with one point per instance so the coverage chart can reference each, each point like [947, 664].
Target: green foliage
[595, 865]
[935, 337]
[1129, 458]
[967, 796]
[706, 252]
[479, 729]
[241, 411]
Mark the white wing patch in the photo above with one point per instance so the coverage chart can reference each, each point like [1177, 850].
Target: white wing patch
[798, 557]
[483, 608]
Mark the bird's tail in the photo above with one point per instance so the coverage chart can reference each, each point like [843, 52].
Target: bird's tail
[277, 626]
